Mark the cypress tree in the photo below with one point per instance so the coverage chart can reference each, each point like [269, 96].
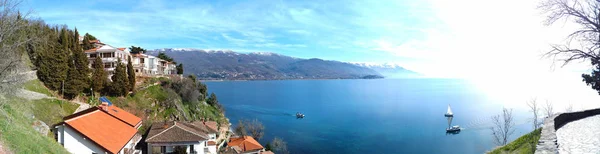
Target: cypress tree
[130, 74]
[55, 62]
[120, 83]
[179, 69]
[86, 42]
[99, 76]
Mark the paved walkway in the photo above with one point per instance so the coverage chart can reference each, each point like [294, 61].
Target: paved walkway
[547, 142]
[581, 136]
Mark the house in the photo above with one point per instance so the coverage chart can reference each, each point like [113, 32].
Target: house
[103, 129]
[148, 65]
[244, 145]
[109, 55]
[192, 137]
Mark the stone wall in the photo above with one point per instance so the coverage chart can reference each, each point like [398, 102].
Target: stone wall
[565, 118]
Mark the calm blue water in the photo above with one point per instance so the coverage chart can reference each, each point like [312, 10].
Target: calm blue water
[366, 116]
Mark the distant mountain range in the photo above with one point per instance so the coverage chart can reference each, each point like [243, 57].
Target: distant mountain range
[390, 70]
[229, 65]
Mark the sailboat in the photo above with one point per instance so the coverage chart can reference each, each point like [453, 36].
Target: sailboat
[450, 116]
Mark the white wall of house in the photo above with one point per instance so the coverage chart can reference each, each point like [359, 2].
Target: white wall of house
[198, 147]
[76, 143]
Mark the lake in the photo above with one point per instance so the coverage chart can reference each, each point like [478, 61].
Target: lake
[367, 116]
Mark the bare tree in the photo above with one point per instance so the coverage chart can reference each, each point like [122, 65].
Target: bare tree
[279, 146]
[503, 127]
[549, 109]
[13, 38]
[586, 14]
[533, 106]
[569, 108]
[240, 129]
[255, 128]
[582, 12]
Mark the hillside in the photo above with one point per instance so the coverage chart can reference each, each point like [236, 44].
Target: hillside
[229, 65]
[390, 70]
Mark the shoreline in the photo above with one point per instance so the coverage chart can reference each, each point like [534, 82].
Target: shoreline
[241, 80]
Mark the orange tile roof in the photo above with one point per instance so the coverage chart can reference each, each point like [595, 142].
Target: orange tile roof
[247, 143]
[123, 115]
[103, 129]
[122, 49]
[212, 143]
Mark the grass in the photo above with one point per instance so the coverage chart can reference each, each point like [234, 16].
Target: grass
[37, 86]
[51, 111]
[16, 131]
[523, 145]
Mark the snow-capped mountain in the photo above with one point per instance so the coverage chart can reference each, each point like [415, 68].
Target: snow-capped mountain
[389, 70]
[229, 65]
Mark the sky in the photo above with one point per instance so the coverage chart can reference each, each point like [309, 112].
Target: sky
[499, 45]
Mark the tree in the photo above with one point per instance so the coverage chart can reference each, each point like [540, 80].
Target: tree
[585, 14]
[164, 56]
[86, 43]
[99, 76]
[240, 129]
[78, 75]
[120, 84]
[179, 69]
[533, 106]
[279, 146]
[12, 41]
[255, 128]
[212, 99]
[130, 74]
[569, 108]
[203, 90]
[548, 109]
[136, 50]
[503, 127]
[90, 36]
[192, 77]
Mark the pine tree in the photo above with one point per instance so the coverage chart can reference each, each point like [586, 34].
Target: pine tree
[86, 42]
[78, 74]
[54, 62]
[99, 76]
[130, 74]
[120, 83]
[179, 69]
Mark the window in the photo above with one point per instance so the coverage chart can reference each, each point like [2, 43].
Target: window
[192, 148]
[107, 65]
[141, 60]
[93, 55]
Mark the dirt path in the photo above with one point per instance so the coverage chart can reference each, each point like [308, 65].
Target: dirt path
[30, 95]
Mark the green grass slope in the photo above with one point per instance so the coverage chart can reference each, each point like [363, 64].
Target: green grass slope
[17, 117]
[523, 145]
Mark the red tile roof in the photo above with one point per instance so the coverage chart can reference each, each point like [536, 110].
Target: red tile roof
[246, 143]
[122, 49]
[267, 152]
[103, 129]
[123, 115]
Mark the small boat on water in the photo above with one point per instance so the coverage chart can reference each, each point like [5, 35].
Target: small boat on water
[453, 129]
[450, 116]
[299, 115]
[449, 112]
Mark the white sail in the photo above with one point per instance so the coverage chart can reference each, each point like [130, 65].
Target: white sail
[449, 110]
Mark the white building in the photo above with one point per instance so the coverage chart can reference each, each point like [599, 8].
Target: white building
[105, 129]
[148, 65]
[109, 55]
[193, 138]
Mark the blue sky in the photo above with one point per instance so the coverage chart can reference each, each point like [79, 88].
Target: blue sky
[338, 30]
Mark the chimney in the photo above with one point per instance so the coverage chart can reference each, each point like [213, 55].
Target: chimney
[165, 125]
[104, 106]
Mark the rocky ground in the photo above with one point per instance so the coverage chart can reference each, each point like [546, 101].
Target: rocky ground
[581, 136]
